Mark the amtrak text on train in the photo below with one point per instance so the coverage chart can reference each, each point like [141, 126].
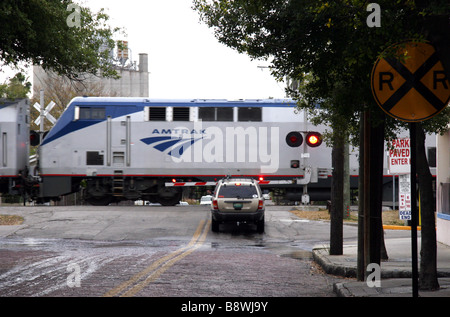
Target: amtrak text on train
[214, 145]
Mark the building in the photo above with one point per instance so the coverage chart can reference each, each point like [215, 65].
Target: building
[133, 81]
[443, 188]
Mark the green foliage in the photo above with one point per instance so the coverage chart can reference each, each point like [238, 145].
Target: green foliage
[38, 32]
[17, 87]
[326, 46]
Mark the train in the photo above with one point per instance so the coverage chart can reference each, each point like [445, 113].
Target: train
[119, 148]
[14, 146]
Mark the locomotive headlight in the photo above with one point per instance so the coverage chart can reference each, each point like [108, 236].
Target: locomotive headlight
[313, 139]
[294, 139]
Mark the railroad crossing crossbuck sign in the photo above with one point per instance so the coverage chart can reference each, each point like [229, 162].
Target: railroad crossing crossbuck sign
[413, 88]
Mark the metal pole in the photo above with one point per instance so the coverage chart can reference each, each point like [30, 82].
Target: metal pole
[412, 132]
[366, 188]
[393, 192]
[41, 126]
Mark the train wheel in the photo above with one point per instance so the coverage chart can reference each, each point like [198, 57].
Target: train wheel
[99, 201]
[169, 196]
[169, 201]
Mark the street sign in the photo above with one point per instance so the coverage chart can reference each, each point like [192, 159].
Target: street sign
[399, 159]
[412, 88]
[404, 197]
[410, 84]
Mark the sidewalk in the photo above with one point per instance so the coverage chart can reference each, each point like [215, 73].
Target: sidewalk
[396, 278]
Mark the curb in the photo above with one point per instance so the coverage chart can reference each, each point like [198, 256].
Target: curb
[321, 257]
[341, 291]
[392, 227]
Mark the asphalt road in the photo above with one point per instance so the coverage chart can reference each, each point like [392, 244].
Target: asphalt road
[143, 251]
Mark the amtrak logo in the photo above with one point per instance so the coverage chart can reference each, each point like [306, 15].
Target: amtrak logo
[173, 146]
[248, 146]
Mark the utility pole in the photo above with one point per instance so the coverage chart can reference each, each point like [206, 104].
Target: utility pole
[41, 124]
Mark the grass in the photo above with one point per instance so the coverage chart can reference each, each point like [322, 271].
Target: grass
[10, 220]
[388, 217]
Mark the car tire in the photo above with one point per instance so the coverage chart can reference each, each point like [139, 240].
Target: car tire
[260, 226]
[214, 225]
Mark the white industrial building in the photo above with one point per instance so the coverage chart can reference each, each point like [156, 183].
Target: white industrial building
[443, 188]
[133, 81]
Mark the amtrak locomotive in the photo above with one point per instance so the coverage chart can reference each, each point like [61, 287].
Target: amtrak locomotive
[129, 148]
[14, 149]
[137, 148]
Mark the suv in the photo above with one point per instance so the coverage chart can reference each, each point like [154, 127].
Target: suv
[237, 200]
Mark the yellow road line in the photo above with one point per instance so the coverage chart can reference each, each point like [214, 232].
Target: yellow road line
[165, 263]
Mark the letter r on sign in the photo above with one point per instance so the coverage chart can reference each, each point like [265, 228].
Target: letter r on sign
[386, 78]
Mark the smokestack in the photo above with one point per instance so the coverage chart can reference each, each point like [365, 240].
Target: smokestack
[143, 62]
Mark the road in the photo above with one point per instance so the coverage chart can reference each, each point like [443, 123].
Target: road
[143, 251]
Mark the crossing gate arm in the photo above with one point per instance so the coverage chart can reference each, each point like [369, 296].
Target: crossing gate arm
[187, 184]
[299, 181]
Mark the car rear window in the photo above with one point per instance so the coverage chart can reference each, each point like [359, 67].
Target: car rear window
[233, 191]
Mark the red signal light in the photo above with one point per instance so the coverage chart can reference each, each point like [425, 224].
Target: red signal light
[34, 138]
[314, 139]
[294, 139]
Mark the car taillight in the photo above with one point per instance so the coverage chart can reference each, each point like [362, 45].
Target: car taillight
[215, 205]
[260, 204]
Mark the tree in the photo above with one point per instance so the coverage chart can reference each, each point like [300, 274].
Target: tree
[328, 47]
[17, 87]
[58, 35]
[61, 90]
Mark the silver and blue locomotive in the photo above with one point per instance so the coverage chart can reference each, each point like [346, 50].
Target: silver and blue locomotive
[14, 145]
[136, 148]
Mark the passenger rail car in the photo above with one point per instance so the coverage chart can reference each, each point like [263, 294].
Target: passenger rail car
[130, 148]
[14, 145]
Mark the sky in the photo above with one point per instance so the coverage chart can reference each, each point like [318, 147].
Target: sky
[185, 59]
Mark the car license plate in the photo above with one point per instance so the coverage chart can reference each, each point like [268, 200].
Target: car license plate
[237, 206]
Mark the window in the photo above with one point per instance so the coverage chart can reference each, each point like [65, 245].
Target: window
[94, 158]
[445, 198]
[431, 156]
[238, 191]
[215, 113]
[249, 114]
[181, 113]
[157, 114]
[224, 114]
[91, 113]
[207, 113]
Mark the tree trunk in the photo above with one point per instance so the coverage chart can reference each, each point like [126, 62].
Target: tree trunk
[337, 197]
[428, 254]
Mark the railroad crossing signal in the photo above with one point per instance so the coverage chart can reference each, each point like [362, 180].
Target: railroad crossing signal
[414, 88]
[46, 113]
